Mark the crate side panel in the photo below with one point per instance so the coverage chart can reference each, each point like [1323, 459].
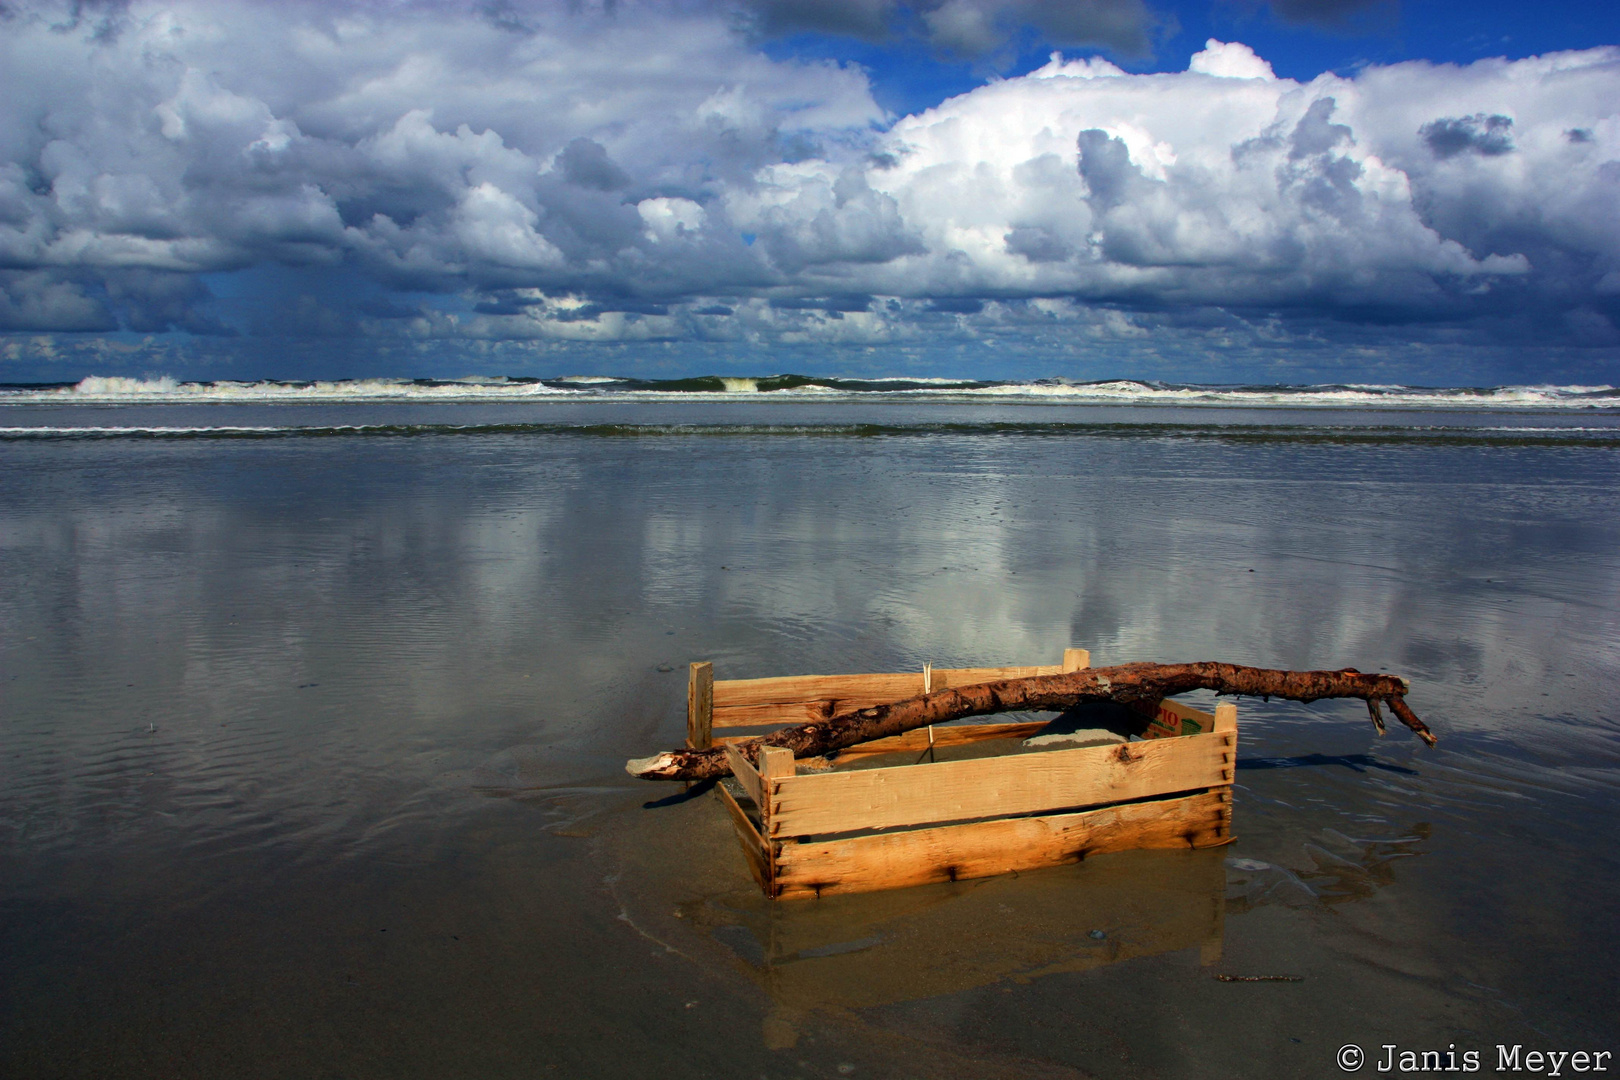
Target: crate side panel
[995, 787]
[984, 848]
[748, 838]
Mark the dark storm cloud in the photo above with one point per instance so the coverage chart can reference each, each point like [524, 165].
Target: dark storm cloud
[1105, 166]
[152, 302]
[502, 306]
[1477, 134]
[1316, 133]
[585, 162]
[965, 27]
[977, 27]
[825, 303]
[868, 19]
[1325, 12]
[1123, 25]
[40, 300]
[1038, 245]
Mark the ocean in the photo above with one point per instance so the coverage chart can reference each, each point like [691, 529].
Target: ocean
[315, 699]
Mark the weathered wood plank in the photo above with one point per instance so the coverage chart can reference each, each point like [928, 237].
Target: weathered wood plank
[787, 689]
[993, 787]
[954, 735]
[700, 705]
[980, 849]
[1076, 659]
[733, 696]
[948, 677]
[789, 712]
[759, 862]
[746, 775]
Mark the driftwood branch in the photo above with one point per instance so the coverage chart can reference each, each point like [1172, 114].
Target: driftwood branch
[1125, 684]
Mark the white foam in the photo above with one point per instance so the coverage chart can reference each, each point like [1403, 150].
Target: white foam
[116, 389]
[123, 387]
[44, 431]
[1345, 396]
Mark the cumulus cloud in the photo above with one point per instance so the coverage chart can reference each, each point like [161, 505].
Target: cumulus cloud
[423, 145]
[644, 173]
[1413, 193]
[1223, 185]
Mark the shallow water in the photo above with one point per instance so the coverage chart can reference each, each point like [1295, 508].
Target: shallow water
[312, 748]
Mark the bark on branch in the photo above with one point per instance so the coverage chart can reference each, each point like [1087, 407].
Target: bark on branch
[1125, 683]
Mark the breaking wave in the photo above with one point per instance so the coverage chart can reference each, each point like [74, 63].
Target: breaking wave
[113, 390]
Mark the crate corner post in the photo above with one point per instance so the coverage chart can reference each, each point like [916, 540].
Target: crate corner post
[700, 705]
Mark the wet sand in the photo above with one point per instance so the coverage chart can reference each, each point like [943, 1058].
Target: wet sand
[312, 753]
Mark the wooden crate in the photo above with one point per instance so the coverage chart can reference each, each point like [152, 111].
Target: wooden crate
[817, 833]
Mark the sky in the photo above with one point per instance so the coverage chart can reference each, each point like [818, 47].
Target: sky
[1215, 191]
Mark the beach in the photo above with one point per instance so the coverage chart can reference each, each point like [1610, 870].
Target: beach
[315, 716]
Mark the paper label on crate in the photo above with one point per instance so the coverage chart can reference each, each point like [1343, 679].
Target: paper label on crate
[1162, 723]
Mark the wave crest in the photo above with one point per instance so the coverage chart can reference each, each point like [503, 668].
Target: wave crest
[155, 389]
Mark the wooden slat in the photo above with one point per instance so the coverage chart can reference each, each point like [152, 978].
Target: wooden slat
[876, 688]
[948, 677]
[700, 705]
[916, 741]
[746, 774]
[958, 852]
[993, 787]
[759, 863]
[1076, 659]
[794, 712]
[806, 699]
[788, 689]
[1226, 717]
